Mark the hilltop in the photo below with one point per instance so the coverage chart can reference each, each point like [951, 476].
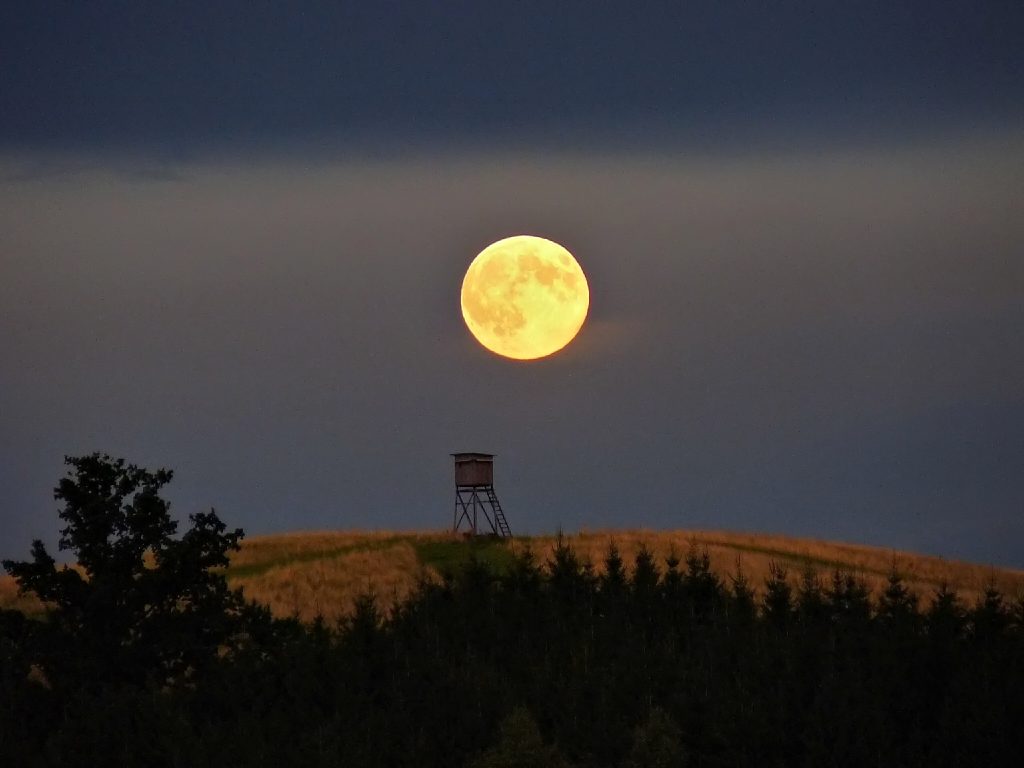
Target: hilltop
[566, 661]
[307, 573]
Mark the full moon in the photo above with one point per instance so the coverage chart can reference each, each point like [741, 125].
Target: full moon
[525, 297]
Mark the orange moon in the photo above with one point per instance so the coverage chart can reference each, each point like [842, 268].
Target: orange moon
[525, 297]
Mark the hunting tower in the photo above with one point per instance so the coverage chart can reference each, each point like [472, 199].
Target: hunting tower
[475, 497]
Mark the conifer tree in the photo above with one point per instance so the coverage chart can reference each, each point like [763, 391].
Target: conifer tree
[778, 596]
[897, 605]
[671, 591]
[742, 605]
[524, 577]
[701, 587]
[946, 617]
[672, 581]
[613, 580]
[569, 585]
[565, 572]
[810, 599]
[849, 600]
[989, 617]
[645, 574]
[644, 590]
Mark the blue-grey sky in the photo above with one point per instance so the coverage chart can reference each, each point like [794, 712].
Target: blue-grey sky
[171, 77]
[232, 237]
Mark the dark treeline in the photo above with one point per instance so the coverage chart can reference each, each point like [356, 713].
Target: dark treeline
[153, 661]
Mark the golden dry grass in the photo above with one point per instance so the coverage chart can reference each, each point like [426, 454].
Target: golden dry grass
[305, 574]
[328, 586]
[260, 550]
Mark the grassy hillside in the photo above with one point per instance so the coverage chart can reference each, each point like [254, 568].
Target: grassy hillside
[309, 573]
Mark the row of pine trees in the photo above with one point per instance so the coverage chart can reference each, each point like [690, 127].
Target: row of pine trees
[554, 663]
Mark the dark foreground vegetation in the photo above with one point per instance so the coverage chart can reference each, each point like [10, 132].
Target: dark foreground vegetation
[151, 660]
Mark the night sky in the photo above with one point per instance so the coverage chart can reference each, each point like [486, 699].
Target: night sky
[232, 237]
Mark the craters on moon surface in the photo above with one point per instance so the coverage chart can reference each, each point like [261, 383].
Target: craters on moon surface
[525, 297]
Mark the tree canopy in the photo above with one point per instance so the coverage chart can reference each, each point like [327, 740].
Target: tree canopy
[137, 602]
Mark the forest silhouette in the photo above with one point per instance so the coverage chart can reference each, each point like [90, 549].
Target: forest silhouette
[145, 656]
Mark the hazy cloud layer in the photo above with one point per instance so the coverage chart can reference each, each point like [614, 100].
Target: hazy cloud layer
[821, 343]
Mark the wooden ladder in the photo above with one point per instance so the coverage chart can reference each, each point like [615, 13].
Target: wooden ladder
[499, 516]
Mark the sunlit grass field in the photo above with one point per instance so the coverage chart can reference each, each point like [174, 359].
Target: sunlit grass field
[310, 574]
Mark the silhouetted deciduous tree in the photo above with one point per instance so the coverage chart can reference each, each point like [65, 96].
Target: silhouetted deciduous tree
[139, 603]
